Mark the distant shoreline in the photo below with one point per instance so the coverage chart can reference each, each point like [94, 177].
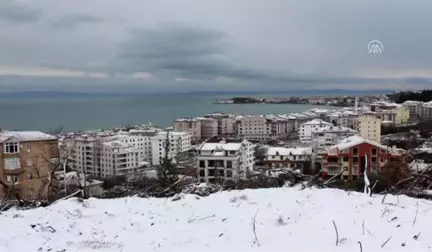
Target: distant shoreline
[338, 101]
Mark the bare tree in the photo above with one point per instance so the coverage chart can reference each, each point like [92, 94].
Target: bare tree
[44, 165]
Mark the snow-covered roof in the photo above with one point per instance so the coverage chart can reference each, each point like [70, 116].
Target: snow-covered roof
[332, 128]
[220, 146]
[354, 141]
[412, 102]
[282, 151]
[317, 122]
[25, 136]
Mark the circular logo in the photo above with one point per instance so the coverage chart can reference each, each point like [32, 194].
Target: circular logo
[375, 47]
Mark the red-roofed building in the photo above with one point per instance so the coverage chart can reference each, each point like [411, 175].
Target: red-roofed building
[354, 153]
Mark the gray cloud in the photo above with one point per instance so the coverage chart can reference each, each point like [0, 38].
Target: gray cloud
[71, 21]
[191, 52]
[272, 45]
[14, 12]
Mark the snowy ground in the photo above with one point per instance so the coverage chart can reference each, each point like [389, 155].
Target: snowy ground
[286, 220]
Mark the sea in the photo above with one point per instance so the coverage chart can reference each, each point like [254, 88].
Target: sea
[88, 112]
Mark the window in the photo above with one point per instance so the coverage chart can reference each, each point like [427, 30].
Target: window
[345, 159]
[202, 164]
[355, 151]
[11, 147]
[229, 174]
[374, 151]
[12, 163]
[373, 159]
[10, 178]
[202, 173]
[355, 160]
[229, 164]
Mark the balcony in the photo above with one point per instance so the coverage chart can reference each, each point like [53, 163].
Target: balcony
[12, 171]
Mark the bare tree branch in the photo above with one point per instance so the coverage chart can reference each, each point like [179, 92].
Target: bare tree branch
[382, 246]
[415, 218]
[337, 233]
[256, 241]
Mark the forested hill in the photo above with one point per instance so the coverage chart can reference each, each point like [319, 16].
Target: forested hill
[423, 95]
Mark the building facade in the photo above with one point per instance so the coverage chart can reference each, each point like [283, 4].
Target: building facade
[224, 160]
[307, 128]
[178, 141]
[26, 159]
[189, 125]
[414, 107]
[353, 155]
[426, 111]
[281, 157]
[326, 137]
[392, 113]
[369, 126]
[346, 119]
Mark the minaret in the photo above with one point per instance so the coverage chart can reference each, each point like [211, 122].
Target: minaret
[356, 105]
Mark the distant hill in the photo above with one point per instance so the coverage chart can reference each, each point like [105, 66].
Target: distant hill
[296, 92]
[421, 95]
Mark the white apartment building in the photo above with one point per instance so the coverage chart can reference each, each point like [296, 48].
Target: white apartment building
[281, 157]
[346, 118]
[324, 138]
[141, 142]
[426, 111]
[84, 154]
[369, 126]
[224, 160]
[190, 125]
[102, 157]
[414, 107]
[179, 142]
[118, 158]
[307, 128]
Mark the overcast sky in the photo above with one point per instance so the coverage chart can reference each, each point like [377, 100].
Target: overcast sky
[188, 45]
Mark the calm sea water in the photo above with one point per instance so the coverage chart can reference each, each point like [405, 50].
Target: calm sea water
[104, 112]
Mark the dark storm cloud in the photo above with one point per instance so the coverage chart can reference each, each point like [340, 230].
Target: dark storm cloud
[198, 53]
[186, 51]
[71, 21]
[14, 12]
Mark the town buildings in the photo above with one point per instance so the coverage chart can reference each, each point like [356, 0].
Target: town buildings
[323, 138]
[392, 113]
[415, 108]
[353, 155]
[307, 128]
[105, 156]
[26, 159]
[123, 153]
[344, 118]
[224, 160]
[190, 125]
[178, 142]
[281, 157]
[369, 126]
[426, 111]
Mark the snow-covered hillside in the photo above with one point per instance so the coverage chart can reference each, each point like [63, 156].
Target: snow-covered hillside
[285, 220]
